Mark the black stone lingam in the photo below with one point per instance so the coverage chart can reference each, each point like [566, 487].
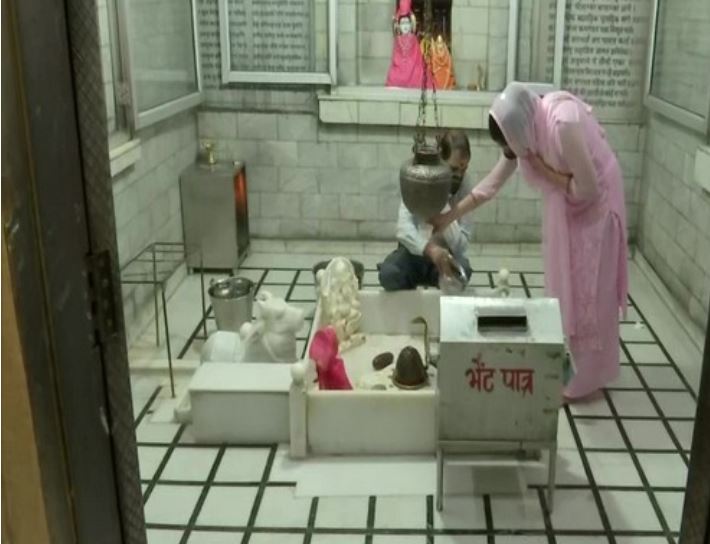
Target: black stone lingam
[410, 372]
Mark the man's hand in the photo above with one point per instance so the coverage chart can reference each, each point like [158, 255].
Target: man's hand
[441, 258]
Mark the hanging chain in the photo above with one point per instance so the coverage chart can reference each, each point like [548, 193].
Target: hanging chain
[427, 39]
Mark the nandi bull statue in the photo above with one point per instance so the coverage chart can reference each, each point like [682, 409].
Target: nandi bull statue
[271, 337]
[339, 302]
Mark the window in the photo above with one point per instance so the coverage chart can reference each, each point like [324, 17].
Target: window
[278, 41]
[678, 80]
[149, 58]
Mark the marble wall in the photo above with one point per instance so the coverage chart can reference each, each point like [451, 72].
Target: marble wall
[675, 218]
[147, 203]
[310, 180]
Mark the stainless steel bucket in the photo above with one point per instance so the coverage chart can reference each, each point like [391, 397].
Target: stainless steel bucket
[232, 300]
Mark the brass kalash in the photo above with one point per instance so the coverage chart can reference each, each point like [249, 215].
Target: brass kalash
[425, 180]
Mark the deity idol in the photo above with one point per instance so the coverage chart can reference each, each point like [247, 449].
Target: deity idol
[441, 64]
[407, 65]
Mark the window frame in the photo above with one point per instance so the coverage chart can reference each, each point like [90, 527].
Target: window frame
[142, 119]
[279, 78]
[694, 121]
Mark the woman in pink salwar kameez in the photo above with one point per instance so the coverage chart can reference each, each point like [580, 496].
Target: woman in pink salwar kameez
[562, 150]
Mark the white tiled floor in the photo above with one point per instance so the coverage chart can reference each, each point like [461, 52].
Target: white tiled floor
[622, 459]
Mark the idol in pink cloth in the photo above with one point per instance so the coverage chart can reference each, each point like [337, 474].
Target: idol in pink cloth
[563, 152]
[329, 367]
[407, 64]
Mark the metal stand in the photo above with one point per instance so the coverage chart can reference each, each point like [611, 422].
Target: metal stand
[155, 265]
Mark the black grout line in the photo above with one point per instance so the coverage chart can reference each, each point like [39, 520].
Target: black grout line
[203, 496]
[313, 512]
[590, 476]
[546, 516]
[292, 286]
[430, 519]
[371, 507]
[525, 286]
[194, 333]
[197, 483]
[656, 406]
[162, 465]
[490, 528]
[259, 495]
[634, 418]
[407, 532]
[639, 468]
[663, 349]
[147, 406]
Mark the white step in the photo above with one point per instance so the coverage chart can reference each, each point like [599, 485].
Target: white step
[240, 403]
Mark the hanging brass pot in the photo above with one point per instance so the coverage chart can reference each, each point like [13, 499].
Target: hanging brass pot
[425, 182]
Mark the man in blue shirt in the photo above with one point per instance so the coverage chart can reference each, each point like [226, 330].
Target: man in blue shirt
[420, 259]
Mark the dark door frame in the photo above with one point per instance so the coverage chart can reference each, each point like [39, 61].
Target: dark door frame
[57, 217]
[695, 525]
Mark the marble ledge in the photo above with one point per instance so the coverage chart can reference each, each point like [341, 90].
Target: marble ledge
[400, 107]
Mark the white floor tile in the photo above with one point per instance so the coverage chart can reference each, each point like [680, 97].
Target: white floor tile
[676, 404]
[647, 353]
[683, 431]
[250, 274]
[275, 538]
[303, 293]
[517, 512]
[479, 539]
[281, 508]
[596, 406]
[279, 276]
[632, 403]
[338, 539]
[159, 433]
[575, 509]
[580, 540]
[227, 506]
[648, 435]
[171, 504]
[671, 504]
[513, 539]
[664, 469]
[149, 457]
[399, 539]
[635, 332]
[400, 513]
[161, 536]
[640, 540]
[465, 512]
[615, 469]
[279, 291]
[189, 464]
[242, 465]
[599, 433]
[661, 377]
[213, 537]
[344, 512]
[569, 470]
[628, 379]
[630, 511]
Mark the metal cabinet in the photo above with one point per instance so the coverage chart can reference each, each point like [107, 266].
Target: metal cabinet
[215, 214]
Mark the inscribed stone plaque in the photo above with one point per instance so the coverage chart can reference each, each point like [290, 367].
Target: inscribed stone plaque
[270, 35]
[604, 55]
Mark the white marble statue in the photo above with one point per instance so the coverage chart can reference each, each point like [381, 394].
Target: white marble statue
[271, 336]
[222, 347]
[339, 302]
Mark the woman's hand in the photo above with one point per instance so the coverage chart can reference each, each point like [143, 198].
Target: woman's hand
[558, 178]
[441, 221]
